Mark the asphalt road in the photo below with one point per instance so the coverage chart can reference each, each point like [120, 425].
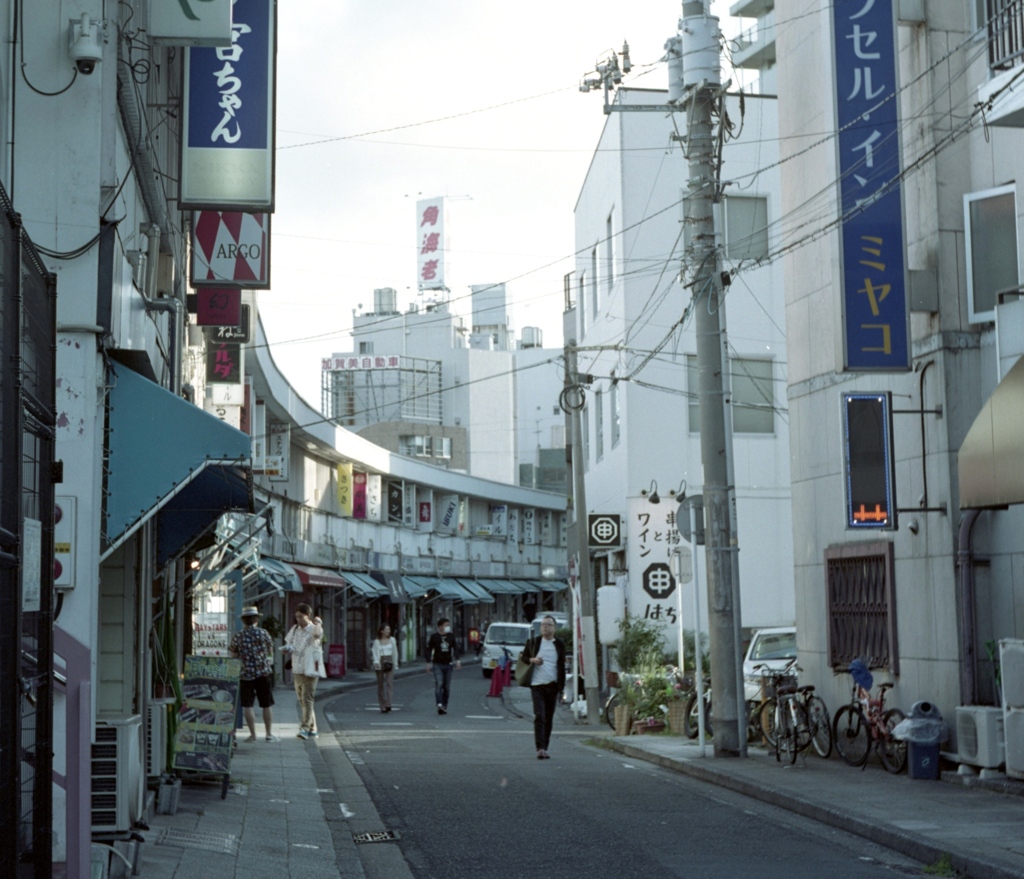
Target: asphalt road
[468, 798]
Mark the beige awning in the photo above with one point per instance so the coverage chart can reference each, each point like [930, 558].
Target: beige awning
[991, 459]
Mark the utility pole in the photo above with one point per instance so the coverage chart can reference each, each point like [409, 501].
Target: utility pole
[701, 82]
[571, 401]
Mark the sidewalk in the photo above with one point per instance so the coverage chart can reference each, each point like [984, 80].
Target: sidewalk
[982, 830]
[292, 809]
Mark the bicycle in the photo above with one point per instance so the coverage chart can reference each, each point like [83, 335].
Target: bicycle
[818, 719]
[691, 719]
[856, 733]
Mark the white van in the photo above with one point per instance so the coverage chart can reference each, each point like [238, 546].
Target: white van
[773, 648]
[561, 622]
[502, 637]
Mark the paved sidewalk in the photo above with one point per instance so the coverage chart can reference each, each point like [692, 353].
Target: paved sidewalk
[981, 830]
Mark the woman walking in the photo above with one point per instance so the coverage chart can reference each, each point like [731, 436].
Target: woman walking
[304, 645]
[385, 660]
[547, 656]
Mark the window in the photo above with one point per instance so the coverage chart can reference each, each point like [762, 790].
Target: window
[752, 396]
[746, 227]
[581, 302]
[990, 239]
[753, 401]
[366, 347]
[609, 258]
[861, 604]
[425, 446]
[613, 405]
[598, 425]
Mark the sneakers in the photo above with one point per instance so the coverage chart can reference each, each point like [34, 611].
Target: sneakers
[313, 734]
[441, 709]
[269, 739]
[251, 739]
[304, 733]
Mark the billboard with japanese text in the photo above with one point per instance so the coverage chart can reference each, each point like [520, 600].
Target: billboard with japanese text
[430, 244]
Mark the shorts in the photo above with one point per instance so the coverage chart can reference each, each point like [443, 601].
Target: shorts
[259, 688]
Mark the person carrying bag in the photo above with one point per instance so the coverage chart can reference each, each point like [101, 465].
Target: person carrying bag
[545, 657]
[384, 653]
[304, 646]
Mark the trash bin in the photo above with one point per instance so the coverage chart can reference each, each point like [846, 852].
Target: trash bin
[923, 731]
[336, 661]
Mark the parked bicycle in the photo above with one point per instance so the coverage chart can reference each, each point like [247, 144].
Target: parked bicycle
[691, 719]
[818, 719]
[866, 723]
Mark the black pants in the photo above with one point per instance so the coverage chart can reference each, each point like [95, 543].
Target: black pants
[545, 698]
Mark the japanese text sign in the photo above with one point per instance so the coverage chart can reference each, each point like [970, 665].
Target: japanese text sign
[223, 363]
[874, 296]
[869, 461]
[652, 534]
[430, 244]
[218, 307]
[227, 155]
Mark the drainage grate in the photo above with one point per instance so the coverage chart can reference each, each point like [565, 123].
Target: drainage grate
[375, 836]
[211, 842]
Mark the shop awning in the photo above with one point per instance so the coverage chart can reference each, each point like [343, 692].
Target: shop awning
[170, 459]
[501, 587]
[393, 585]
[365, 585]
[323, 578]
[446, 588]
[550, 585]
[482, 595]
[991, 460]
[274, 573]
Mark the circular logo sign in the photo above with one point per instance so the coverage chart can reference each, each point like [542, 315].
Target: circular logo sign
[604, 530]
[658, 580]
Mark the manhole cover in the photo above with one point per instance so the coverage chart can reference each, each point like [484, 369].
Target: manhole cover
[375, 836]
[211, 842]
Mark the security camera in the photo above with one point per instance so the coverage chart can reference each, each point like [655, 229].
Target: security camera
[85, 48]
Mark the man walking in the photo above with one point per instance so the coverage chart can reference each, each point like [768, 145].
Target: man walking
[255, 648]
[442, 652]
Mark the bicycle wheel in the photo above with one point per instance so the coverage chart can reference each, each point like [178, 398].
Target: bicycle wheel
[851, 735]
[892, 751]
[690, 718]
[609, 709]
[783, 732]
[821, 728]
[801, 724]
[768, 721]
[753, 721]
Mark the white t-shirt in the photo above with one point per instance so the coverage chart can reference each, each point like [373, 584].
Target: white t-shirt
[548, 671]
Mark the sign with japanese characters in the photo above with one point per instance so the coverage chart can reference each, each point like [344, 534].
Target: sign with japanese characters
[240, 332]
[230, 247]
[205, 734]
[345, 491]
[358, 495]
[395, 493]
[278, 451]
[227, 155]
[869, 462]
[223, 363]
[342, 362]
[218, 306]
[604, 529]
[430, 244]
[374, 501]
[651, 536]
[873, 267]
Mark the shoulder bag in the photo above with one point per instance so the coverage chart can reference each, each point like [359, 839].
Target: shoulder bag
[524, 669]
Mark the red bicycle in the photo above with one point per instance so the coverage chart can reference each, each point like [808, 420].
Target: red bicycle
[865, 724]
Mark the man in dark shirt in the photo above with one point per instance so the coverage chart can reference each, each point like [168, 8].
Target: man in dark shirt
[254, 647]
[442, 655]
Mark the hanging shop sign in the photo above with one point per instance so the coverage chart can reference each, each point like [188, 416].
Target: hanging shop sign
[230, 247]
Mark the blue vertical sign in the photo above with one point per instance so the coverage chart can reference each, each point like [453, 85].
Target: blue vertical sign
[873, 266]
[227, 159]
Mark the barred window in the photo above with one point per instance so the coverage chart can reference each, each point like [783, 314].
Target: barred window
[861, 605]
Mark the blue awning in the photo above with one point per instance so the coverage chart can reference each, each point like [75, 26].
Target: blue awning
[483, 596]
[278, 574]
[394, 588]
[550, 585]
[501, 587]
[170, 459]
[365, 585]
[450, 590]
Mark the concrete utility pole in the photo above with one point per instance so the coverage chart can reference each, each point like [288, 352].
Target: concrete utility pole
[572, 402]
[701, 81]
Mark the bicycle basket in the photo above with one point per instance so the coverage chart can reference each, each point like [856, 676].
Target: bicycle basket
[772, 685]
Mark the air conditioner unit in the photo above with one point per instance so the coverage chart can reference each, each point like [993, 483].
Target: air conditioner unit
[156, 738]
[1011, 664]
[979, 735]
[118, 785]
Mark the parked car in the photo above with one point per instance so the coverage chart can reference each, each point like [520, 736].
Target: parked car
[561, 622]
[771, 647]
[499, 638]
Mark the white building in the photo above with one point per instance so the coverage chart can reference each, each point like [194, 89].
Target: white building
[924, 602]
[635, 336]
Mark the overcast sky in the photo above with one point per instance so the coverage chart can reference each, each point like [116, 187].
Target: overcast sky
[379, 104]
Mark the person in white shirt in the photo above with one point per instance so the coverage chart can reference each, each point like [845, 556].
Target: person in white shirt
[547, 656]
[385, 660]
[304, 644]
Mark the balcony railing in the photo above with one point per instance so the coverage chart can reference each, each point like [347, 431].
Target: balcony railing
[1005, 33]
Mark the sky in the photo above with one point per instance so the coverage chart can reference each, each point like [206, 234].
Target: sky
[381, 104]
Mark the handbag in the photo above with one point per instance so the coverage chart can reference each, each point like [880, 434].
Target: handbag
[386, 664]
[288, 662]
[524, 671]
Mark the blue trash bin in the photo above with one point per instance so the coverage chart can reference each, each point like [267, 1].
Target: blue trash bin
[923, 760]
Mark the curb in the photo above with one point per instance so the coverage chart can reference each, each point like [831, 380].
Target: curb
[826, 813]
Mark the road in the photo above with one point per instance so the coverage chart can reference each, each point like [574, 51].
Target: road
[468, 798]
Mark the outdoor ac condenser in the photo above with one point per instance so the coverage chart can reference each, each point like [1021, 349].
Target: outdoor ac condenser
[156, 738]
[979, 735]
[118, 786]
[1011, 665]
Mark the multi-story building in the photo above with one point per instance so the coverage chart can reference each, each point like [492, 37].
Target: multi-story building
[926, 598]
[632, 324]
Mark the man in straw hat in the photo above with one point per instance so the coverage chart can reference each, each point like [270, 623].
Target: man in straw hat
[255, 648]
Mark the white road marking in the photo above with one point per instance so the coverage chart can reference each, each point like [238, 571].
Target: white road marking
[482, 717]
[346, 812]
